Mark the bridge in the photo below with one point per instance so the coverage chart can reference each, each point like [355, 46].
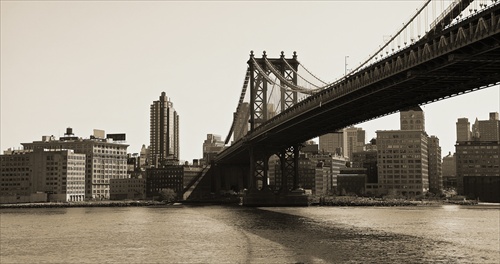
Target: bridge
[459, 52]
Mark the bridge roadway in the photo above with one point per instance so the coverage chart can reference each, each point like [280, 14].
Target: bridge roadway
[461, 58]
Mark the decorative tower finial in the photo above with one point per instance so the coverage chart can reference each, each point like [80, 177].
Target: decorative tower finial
[251, 54]
[264, 54]
[295, 55]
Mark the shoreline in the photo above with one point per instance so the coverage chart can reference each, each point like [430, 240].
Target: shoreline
[362, 201]
[82, 204]
[339, 201]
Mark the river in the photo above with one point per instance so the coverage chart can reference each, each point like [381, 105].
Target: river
[232, 234]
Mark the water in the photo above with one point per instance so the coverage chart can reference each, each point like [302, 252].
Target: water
[218, 234]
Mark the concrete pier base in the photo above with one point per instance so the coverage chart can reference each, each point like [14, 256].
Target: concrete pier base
[268, 198]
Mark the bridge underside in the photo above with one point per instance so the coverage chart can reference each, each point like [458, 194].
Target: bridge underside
[464, 70]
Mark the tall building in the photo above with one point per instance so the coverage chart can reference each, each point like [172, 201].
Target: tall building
[104, 159]
[332, 143]
[164, 133]
[478, 161]
[449, 169]
[435, 166]
[489, 130]
[354, 140]
[241, 121]
[343, 142]
[403, 162]
[211, 147]
[367, 160]
[463, 129]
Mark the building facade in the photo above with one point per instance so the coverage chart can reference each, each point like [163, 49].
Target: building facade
[412, 119]
[478, 160]
[367, 160]
[449, 169]
[164, 133]
[127, 189]
[104, 159]
[332, 143]
[403, 162]
[211, 147]
[59, 174]
[343, 142]
[352, 181]
[435, 166]
[168, 177]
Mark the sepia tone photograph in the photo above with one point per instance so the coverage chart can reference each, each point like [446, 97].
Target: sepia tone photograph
[328, 131]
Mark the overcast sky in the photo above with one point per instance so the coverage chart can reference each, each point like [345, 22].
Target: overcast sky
[100, 64]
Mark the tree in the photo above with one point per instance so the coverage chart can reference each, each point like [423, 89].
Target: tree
[167, 195]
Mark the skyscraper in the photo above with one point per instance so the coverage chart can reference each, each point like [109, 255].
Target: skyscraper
[164, 133]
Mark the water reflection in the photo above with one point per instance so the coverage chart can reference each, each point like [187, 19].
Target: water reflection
[216, 234]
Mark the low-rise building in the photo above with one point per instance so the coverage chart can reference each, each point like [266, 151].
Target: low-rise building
[351, 181]
[59, 174]
[105, 159]
[168, 177]
[127, 189]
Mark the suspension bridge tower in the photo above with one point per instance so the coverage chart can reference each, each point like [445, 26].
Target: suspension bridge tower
[264, 72]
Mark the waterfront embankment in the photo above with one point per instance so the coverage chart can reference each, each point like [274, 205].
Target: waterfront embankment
[365, 201]
[82, 204]
[313, 201]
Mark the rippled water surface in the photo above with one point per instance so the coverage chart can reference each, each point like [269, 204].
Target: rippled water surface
[218, 234]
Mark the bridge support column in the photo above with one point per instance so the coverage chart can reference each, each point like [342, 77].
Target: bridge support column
[259, 166]
[289, 160]
[261, 195]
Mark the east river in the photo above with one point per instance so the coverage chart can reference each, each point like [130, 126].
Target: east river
[232, 234]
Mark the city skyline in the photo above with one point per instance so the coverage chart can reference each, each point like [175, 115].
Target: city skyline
[90, 65]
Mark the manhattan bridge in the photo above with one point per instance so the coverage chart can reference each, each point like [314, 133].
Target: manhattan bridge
[447, 48]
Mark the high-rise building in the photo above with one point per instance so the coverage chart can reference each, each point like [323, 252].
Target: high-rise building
[343, 142]
[211, 147]
[449, 169]
[367, 160]
[164, 133]
[403, 162]
[463, 129]
[435, 166]
[409, 161]
[332, 143]
[241, 121]
[354, 140]
[478, 161]
[489, 130]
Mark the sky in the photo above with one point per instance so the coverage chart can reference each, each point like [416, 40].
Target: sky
[100, 64]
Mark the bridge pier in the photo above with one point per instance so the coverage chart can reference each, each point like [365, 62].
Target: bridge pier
[259, 193]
